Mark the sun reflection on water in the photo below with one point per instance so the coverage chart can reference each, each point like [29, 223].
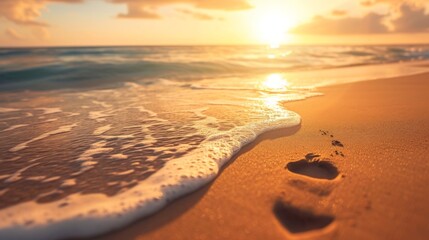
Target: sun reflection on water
[275, 83]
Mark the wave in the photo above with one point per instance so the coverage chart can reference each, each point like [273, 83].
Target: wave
[56, 68]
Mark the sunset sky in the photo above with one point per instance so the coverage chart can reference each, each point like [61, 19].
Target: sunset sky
[191, 22]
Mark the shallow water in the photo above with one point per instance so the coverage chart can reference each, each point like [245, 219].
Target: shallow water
[78, 151]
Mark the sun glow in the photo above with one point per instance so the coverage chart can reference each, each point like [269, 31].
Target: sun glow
[272, 27]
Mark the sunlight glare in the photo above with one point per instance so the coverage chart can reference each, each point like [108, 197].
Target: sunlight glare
[275, 82]
[272, 27]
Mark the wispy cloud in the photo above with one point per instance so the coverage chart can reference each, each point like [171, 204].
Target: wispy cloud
[13, 34]
[338, 13]
[197, 15]
[137, 10]
[148, 9]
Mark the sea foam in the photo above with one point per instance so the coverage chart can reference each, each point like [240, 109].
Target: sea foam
[87, 215]
[177, 136]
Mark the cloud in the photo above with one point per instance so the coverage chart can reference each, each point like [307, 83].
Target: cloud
[411, 19]
[13, 34]
[402, 18]
[369, 3]
[136, 10]
[226, 5]
[197, 15]
[338, 13]
[147, 9]
[26, 12]
[370, 23]
[22, 11]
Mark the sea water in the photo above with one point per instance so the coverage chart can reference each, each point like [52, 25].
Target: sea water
[94, 138]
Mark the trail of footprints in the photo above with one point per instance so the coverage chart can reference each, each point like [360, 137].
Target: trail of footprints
[314, 168]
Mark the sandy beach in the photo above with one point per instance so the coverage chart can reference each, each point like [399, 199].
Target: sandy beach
[374, 186]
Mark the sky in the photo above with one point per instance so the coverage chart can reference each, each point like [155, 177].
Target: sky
[212, 22]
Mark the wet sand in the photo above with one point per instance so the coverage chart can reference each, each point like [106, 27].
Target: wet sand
[374, 186]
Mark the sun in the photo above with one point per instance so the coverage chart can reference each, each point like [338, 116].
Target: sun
[272, 27]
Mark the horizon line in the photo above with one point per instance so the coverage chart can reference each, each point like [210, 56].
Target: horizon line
[208, 45]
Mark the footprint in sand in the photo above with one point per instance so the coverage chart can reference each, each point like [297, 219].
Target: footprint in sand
[337, 143]
[337, 153]
[297, 220]
[304, 221]
[321, 169]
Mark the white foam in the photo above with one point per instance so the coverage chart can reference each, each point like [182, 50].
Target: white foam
[35, 178]
[17, 175]
[177, 177]
[50, 110]
[68, 183]
[5, 110]
[98, 116]
[132, 85]
[119, 156]
[47, 194]
[123, 173]
[95, 148]
[50, 120]
[62, 129]
[4, 176]
[143, 109]
[103, 104]
[51, 179]
[86, 159]
[102, 129]
[72, 114]
[14, 127]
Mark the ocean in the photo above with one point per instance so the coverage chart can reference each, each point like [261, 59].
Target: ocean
[102, 136]
[60, 68]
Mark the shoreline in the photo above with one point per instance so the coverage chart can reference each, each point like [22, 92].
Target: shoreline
[199, 214]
